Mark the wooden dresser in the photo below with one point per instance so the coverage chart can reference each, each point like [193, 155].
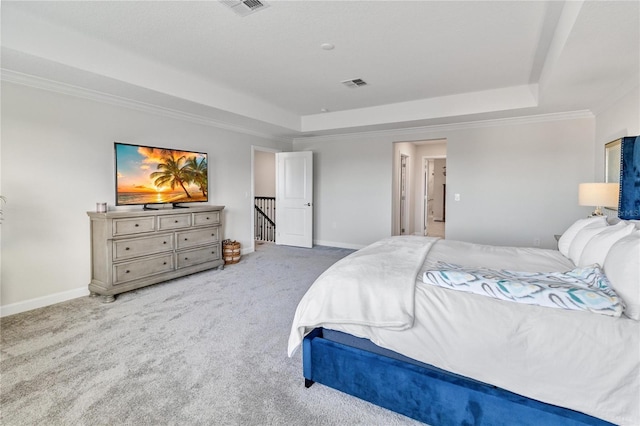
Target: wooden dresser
[133, 249]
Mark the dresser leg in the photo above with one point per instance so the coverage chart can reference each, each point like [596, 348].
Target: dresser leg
[108, 298]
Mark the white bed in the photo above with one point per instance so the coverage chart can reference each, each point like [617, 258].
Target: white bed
[579, 360]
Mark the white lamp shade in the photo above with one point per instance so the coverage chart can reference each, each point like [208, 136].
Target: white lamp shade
[598, 194]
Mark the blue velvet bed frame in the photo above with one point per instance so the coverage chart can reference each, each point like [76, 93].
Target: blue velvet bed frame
[420, 391]
[629, 204]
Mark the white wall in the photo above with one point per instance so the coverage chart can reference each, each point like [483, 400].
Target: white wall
[517, 180]
[352, 190]
[435, 149]
[622, 118]
[57, 162]
[517, 183]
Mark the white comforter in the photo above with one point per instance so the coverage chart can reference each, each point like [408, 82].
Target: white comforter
[579, 360]
[374, 286]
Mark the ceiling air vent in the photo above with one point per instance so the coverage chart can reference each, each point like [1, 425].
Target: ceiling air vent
[245, 7]
[356, 82]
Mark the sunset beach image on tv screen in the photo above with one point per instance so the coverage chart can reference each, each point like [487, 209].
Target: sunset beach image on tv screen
[149, 175]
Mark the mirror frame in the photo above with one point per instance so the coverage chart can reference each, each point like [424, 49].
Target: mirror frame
[612, 156]
[612, 163]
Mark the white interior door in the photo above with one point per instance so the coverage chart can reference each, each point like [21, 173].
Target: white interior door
[294, 198]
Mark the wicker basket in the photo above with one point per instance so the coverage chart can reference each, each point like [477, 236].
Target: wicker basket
[230, 252]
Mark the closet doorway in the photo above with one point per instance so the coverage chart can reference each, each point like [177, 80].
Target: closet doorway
[419, 188]
[403, 194]
[434, 192]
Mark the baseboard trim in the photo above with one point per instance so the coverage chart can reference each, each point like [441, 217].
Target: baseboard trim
[41, 302]
[339, 245]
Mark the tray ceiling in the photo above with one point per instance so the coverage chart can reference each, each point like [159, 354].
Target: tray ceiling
[424, 62]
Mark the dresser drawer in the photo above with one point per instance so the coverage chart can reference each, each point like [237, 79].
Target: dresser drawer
[199, 255]
[197, 237]
[132, 270]
[142, 246]
[174, 221]
[133, 226]
[206, 218]
[133, 249]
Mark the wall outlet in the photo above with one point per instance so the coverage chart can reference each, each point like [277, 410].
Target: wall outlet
[456, 197]
[536, 242]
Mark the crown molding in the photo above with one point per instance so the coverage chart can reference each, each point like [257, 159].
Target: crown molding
[401, 135]
[15, 77]
[23, 79]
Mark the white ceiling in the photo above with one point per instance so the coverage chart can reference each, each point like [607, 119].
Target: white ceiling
[425, 62]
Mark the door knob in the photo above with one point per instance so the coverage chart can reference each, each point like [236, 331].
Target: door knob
[308, 204]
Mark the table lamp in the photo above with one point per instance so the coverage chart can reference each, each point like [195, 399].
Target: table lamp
[598, 195]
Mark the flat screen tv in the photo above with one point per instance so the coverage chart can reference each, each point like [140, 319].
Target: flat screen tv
[152, 175]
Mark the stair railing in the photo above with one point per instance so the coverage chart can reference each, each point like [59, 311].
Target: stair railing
[265, 215]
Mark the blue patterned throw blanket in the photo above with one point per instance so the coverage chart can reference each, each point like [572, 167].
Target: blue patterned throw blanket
[584, 289]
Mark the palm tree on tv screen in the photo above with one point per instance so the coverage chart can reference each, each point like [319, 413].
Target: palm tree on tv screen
[172, 173]
[198, 173]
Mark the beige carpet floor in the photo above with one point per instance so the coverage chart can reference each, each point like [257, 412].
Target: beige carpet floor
[207, 349]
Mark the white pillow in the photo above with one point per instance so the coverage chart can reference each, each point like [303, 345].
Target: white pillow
[622, 268]
[583, 236]
[598, 246]
[565, 240]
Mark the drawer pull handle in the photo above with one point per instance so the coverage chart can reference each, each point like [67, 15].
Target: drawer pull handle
[126, 248]
[186, 239]
[164, 263]
[207, 218]
[186, 258]
[164, 242]
[127, 271]
[175, 221]
[136, 225]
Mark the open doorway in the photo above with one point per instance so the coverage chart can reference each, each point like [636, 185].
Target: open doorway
[419, 188]
[404, 194]
[434, 208]
[263, 195]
